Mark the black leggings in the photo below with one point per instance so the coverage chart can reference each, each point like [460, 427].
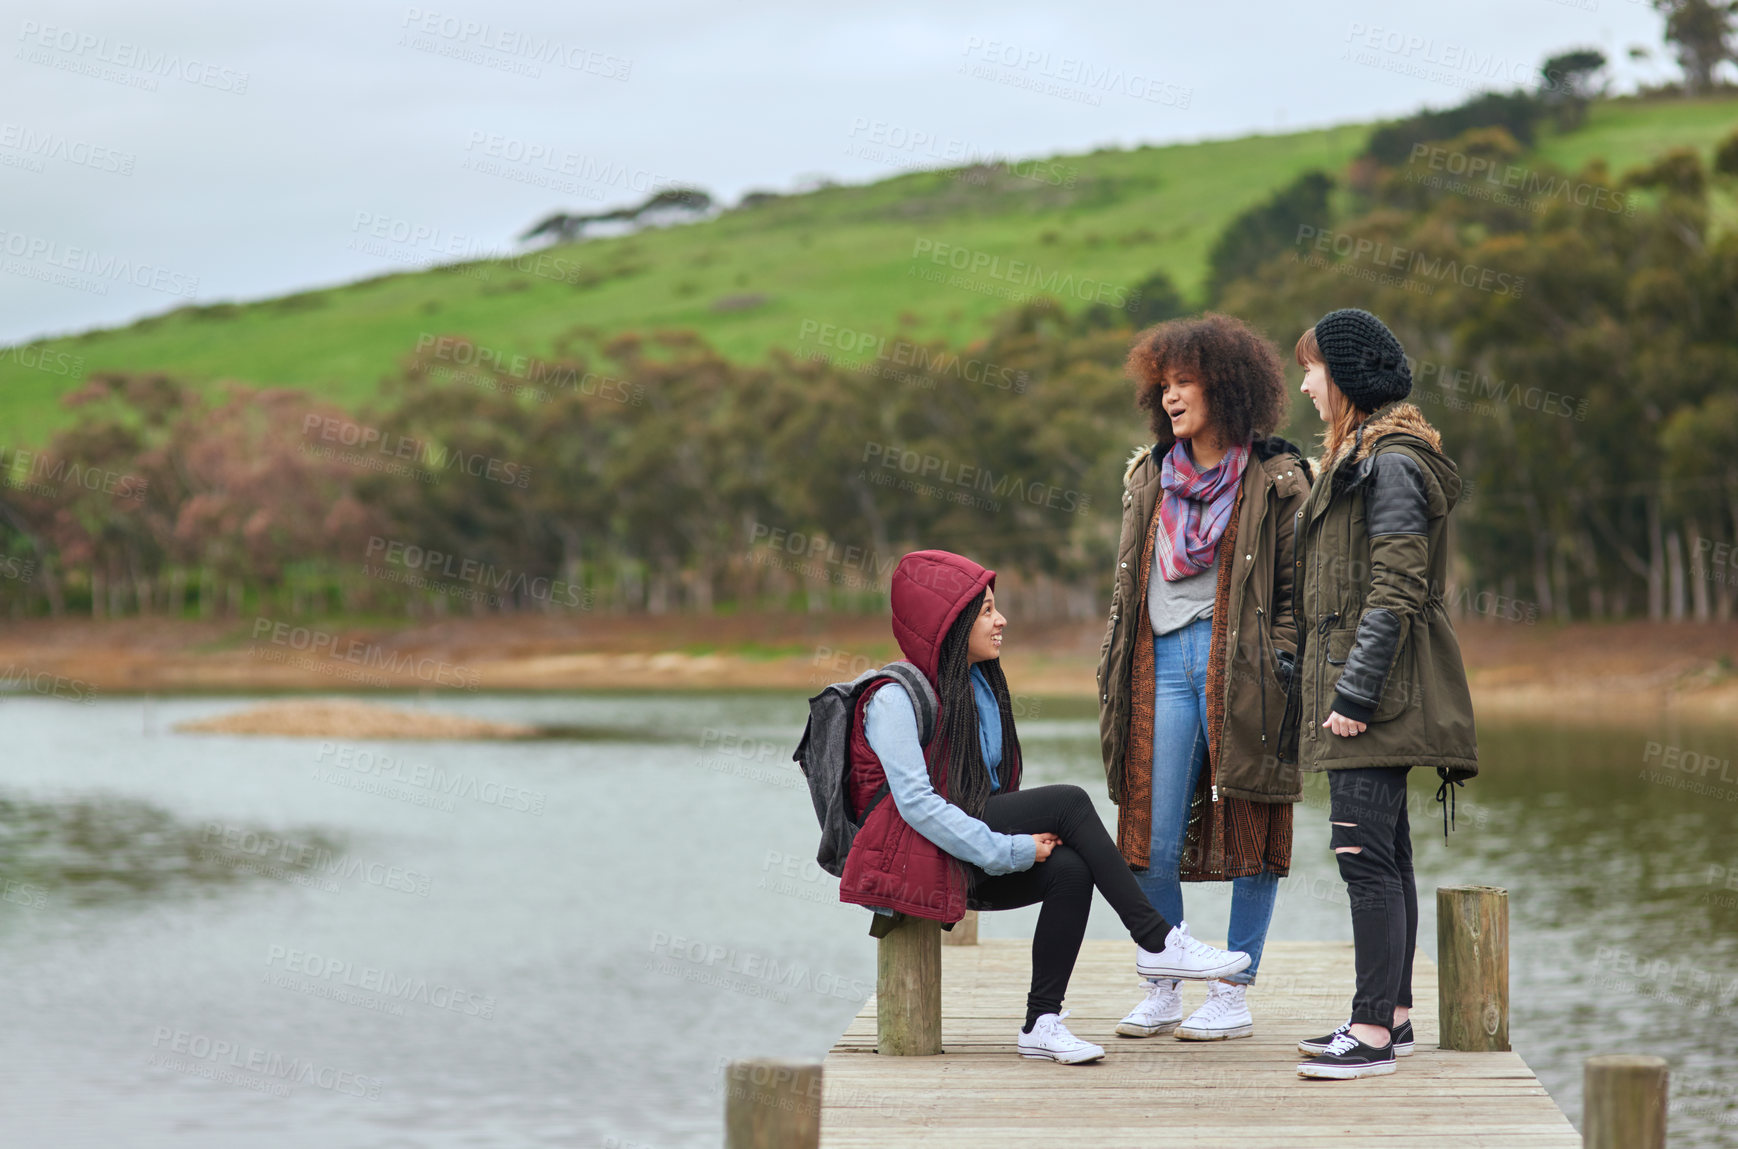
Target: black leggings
[1380, 885]
[1064, 883]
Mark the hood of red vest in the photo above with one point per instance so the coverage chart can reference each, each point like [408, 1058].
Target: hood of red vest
[930, 588]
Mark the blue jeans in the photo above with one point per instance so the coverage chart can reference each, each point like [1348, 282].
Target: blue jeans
[1179, 753]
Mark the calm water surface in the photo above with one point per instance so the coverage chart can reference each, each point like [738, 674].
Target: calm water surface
[216, 941]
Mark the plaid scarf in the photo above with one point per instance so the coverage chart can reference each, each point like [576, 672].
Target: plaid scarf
[1194, 509]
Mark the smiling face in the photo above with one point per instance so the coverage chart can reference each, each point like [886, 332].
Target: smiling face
[986, 640]
[1184, 400]
[1322, 390]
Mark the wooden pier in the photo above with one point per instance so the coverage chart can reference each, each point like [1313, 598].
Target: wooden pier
[1160, 1091]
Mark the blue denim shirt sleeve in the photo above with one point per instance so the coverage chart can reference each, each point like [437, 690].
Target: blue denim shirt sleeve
[890, 724]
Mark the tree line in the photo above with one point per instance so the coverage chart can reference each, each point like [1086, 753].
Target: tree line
[1574, 336]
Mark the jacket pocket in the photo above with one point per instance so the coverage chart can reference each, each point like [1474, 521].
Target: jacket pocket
[1340, 644]
[1336, 647]
[1398, 688]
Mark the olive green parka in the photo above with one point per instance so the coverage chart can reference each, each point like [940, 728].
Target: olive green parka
[1375, 641]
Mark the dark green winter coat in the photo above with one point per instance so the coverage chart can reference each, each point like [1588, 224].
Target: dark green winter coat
[1377, 644]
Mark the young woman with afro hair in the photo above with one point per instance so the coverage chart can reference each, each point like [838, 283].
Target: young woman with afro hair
[1198, 655]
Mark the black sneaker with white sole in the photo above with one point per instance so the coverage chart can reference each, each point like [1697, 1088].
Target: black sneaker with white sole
[1404, 1043]
[1346, 1057]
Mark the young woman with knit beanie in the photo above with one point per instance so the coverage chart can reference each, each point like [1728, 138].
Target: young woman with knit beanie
[1200, 647]
[1382, 685]
[961, 833]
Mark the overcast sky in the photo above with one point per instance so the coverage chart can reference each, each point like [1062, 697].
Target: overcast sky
[198, 152]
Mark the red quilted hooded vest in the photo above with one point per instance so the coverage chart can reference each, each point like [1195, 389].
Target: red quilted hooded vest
[891, 864]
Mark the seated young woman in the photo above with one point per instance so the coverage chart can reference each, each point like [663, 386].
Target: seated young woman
[960, 833]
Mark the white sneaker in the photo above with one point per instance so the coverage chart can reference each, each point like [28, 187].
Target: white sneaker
[1051, 1041]
[1157, 1014]
[1189, 959]
[1224, 1014]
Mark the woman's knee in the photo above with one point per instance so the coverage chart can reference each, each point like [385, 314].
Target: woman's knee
[1368, 869]
[1360, 858]
[1070, 795]
[1066, 805]
[1066, 869]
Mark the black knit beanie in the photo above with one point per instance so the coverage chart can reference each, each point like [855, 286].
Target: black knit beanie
[1364, 358]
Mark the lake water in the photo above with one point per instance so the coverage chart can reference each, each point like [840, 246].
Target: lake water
[212, 941]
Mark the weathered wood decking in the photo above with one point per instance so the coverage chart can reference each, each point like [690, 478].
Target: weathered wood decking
[1243, 1094]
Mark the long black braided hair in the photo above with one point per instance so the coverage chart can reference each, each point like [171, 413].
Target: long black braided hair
[956, 753]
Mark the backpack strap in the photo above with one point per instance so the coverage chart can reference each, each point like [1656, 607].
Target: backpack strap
[923, 699]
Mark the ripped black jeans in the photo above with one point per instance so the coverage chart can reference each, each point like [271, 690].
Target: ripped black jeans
[1379, 883]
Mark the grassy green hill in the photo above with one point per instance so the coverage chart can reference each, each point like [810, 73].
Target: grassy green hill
[752, 279]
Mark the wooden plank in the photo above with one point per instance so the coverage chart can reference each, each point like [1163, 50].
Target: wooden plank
[979, 1092]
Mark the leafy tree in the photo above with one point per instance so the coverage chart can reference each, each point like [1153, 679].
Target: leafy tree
[1701, 32]
[1515, 112]
[1569, 82]
[1558, 340]
[565, 228]
[1726, 156]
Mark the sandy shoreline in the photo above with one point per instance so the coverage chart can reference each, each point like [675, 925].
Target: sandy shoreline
[1585, 671]
[346, 718]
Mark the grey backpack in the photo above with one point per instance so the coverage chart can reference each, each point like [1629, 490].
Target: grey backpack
[825, 754]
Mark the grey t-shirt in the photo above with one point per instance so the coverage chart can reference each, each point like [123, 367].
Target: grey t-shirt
[1174, 605]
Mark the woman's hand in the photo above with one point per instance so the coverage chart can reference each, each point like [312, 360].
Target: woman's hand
[1046, 843]
[1343, 726]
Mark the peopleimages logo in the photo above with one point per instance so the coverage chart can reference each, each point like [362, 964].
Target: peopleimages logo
[1533, 187]
[446, 565]
[95, 55]
[322, 645]
[368, 764]
[1068, 77]
[466, 39]
[422, 452]
[101, 267]
[374, 980]
[40, 144]
[939, 474]
[1407, 262]
[853, 345]
[283, 1070]
[1018, 273]
[236, 844]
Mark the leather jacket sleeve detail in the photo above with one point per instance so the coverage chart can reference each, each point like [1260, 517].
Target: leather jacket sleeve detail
[1396, 503]
[1367, 666]
[1397, 520]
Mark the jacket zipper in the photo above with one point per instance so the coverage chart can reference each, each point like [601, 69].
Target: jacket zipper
[1322, 629]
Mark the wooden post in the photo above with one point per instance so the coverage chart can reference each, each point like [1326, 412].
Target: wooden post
[1472, 960]
[1623, 1102]
[908, 989]
[772, 1104]
[964, 932]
